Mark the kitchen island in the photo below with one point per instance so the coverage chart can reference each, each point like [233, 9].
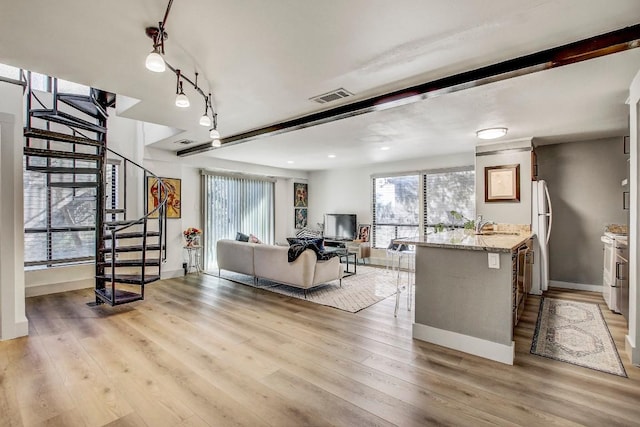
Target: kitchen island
[470, 289]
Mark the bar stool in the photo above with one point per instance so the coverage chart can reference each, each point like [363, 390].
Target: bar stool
[407, 253]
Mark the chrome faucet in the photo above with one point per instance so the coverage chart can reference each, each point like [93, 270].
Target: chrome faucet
[480, 224]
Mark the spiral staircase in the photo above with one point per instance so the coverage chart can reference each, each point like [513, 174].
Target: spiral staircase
[67, 140]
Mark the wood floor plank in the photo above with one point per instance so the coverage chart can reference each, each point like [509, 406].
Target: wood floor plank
[205, 351]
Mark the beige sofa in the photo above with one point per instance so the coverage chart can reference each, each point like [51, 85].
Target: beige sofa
[270, 262]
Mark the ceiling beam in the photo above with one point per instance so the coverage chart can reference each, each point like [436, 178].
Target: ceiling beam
[593, 47]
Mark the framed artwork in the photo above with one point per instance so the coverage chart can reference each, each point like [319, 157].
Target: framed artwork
[364, 232]
[300, 195]
[174, 196]
[502, 183]
[301, 217]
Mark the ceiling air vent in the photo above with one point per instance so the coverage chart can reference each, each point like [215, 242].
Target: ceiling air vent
[185, 141]
[334, 95]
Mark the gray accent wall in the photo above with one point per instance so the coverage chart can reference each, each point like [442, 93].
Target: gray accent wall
[584, 180]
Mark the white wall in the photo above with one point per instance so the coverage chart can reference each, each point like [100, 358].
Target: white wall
[633, 338]
[507, 153]
[13, 321]
[350, 190]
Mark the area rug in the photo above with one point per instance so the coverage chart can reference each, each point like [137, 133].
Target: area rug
[575, 332]
[369, 286]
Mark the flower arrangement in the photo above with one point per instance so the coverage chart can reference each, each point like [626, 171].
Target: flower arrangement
[191, 234]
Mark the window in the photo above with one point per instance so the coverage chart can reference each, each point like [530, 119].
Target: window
[447, 191]
[395, 208]
[236, 204]
[59, 221]
[397, 204]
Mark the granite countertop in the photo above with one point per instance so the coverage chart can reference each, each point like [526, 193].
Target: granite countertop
[468, 240]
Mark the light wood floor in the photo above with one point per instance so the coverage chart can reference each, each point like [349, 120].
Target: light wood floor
[201, 351]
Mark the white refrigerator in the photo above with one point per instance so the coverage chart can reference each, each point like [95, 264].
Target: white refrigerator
[541, 221]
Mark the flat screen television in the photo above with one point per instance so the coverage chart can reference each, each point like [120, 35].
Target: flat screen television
[340, 226]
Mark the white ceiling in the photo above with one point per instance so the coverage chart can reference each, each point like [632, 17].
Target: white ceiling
[264, 60]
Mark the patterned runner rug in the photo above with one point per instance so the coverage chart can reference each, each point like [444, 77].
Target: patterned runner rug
[575, 332]
[369, 286]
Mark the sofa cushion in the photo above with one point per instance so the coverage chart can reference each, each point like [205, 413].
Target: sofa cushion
[235, 256]
[270, 262]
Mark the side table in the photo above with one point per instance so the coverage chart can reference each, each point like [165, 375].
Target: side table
[194, 254]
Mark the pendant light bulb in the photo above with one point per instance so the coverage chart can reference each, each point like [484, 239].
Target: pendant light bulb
[155, 62]
[181, 99]
[214, 134]
[205, 120]
[216, 143]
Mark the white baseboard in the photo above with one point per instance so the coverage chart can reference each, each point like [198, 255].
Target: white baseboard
[488, 349]
[172, 274]
[576, 286]
[632, 352]
[54, 288]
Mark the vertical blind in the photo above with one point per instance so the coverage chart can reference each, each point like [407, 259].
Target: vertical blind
[236, 204]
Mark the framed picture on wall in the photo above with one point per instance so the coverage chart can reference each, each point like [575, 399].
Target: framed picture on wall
[301, 217]
[300, 195]
[364, 232]
[174, 196]
[502, 183]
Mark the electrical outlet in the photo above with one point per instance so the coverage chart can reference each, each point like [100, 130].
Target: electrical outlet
[494, 260]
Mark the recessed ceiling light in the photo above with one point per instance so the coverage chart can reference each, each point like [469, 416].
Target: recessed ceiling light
[491, 133]
[290, 162]
[385, 148]
[331, 156]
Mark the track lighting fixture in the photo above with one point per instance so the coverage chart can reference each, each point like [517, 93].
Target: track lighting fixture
[213, 132]
[155, 62]
[181, 99]
[205, 120]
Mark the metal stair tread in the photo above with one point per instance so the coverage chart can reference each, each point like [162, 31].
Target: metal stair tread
[132, 248]
[43, 152]
[130, 279]
[63, 170]
[60, 137]
[121, 296]
[73, 184]
[67, 119]
[83, 103]
[132, 235]
[148, 262]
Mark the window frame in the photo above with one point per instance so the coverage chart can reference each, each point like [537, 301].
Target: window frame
[422, 203]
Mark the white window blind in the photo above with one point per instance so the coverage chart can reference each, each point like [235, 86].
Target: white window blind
[60, 222]
[236, 204]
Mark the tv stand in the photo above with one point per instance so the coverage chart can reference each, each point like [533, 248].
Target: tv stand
[338, 243]
[360, 249]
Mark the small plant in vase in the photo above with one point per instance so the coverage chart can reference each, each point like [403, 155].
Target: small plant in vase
[192, 235]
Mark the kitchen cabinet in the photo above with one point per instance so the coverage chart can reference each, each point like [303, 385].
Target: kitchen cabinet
[521, 279]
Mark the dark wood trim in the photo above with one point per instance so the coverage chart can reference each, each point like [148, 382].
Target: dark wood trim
[593, 47]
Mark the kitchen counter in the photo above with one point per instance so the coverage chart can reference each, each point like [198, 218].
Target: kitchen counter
[466, 239]
[465, 295]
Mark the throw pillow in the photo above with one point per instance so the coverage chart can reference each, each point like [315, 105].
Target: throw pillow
[241, 237]
[307, 232]
[254, 239]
